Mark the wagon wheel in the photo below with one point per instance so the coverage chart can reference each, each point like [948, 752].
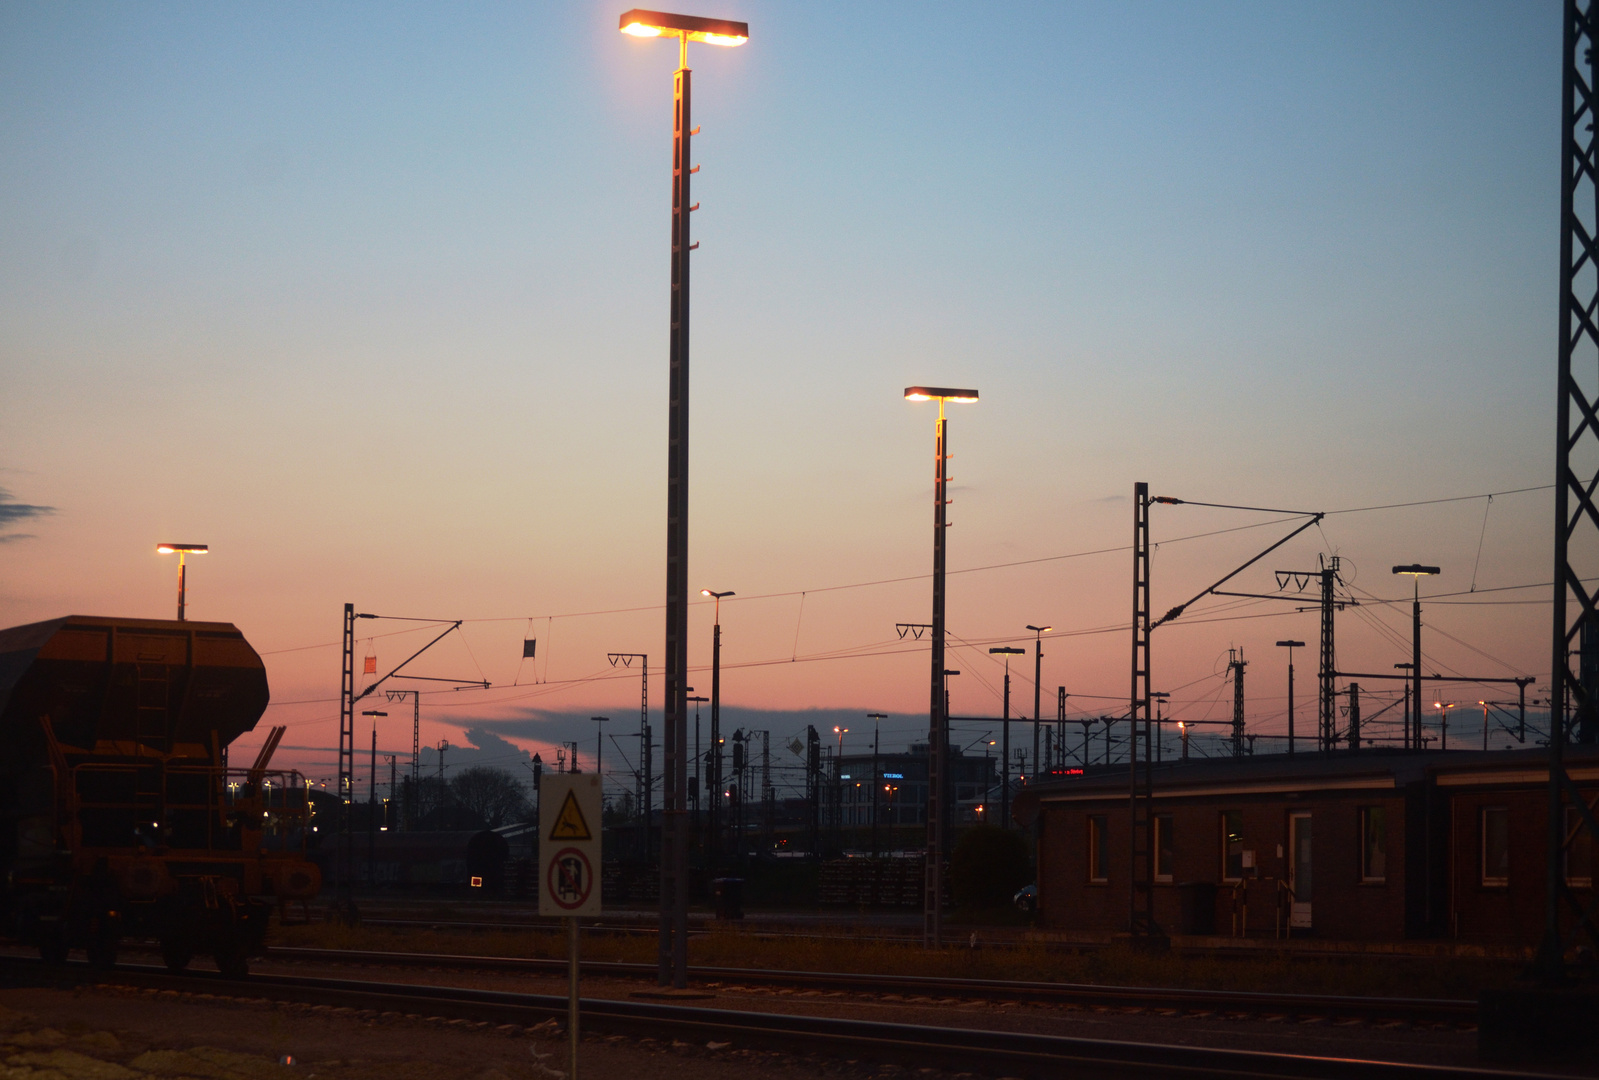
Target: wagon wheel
[102, 949]
[52, 941]
[176, 954]
[230, 959]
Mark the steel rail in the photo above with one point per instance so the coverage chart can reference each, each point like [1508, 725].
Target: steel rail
[1425, 1010]
[985, 1052]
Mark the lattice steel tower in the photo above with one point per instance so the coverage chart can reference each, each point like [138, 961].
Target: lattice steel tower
[1141, 781]
[1576, 467]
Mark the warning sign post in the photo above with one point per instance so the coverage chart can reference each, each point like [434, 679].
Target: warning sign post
[569, 869]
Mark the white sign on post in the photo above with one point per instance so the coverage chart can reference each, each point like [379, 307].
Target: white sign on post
[569, 844]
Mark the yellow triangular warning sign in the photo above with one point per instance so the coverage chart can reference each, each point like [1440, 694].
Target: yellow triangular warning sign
[569, 823]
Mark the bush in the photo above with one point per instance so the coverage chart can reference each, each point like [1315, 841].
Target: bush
[987, 867]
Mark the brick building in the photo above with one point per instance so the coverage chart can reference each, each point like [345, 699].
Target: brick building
[1378, 845]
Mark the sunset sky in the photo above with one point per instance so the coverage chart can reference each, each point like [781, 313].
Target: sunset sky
[372, 298]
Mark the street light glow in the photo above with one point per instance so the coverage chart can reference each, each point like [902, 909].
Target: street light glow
[1417, 570]
[185, 549]
[945, 393]
[648, 24]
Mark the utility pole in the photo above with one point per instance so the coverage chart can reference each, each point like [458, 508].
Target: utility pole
[1060, 728]
[645, 783]
[1004, 762]
[371, 801]
[1141, 783]
[1290, 646]
[1415, 572]
[768, 793]
[444, 744]
[1235, 665]
[416, 749]
[1038, 676]
[346, 761]
[698, 788]
[877, 781]
[599, 755]
[813, 786]
[1329, 705]
[1354, 717]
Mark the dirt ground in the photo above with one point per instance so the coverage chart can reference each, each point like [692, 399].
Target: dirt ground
[127, 1035]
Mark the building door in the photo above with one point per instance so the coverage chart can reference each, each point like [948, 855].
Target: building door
[1299, 877]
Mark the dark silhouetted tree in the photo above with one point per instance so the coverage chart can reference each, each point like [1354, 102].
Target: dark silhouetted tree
[493, 797]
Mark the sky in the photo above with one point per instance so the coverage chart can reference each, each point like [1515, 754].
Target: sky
[372, 298]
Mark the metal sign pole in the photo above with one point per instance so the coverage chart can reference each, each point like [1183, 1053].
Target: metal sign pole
[572, 969]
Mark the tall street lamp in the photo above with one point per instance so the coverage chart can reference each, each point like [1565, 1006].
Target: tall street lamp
[1415, 571]
[1004, 757]
[1038, 675]
[937, 718]
[1290, 646]
[183, 552]
[673, 952]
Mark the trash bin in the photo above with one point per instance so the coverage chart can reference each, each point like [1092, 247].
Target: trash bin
[729, 895]
[1196, 902]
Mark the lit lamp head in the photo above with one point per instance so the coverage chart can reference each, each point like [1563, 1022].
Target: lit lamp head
[183, 551]
[940, 394]
[649, 24]
[1415, 572]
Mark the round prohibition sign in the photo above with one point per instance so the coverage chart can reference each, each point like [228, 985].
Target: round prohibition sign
[570, 879]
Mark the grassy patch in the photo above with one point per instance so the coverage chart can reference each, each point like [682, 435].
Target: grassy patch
[1114, 966]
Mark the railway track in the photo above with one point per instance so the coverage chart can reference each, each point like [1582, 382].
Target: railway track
[924, 988]
[989, 1053]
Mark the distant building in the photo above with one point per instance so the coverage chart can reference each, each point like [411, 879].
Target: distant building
[900, 786]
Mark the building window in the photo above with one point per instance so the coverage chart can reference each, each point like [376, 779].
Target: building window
[1098, 847]
[1579, 851]
[1496, 845]
[1163, 847]
[1373, 843]
[1232, 845]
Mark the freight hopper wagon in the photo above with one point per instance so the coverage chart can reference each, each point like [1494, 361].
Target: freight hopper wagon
[118, 814]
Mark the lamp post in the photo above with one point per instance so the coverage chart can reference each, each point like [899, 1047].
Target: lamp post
[937, 718]
[1007, 652]
[1291, 646]
[1484, 705]
[673, 951]
[1415, 571]
[183, 552]
[1038, 674]
[1443, 708]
